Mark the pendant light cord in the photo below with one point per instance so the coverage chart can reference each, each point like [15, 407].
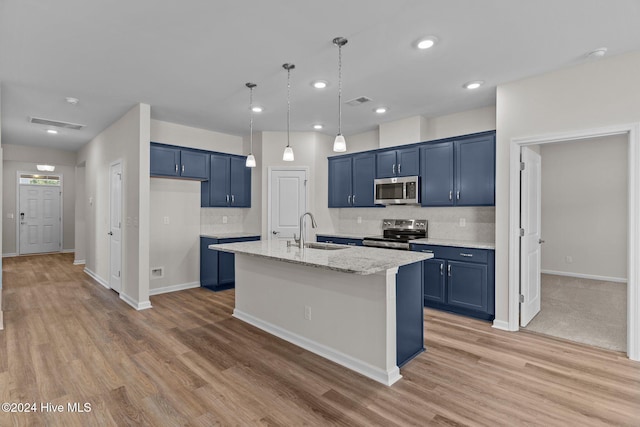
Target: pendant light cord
[251, 118]
[288, 102]
[339, 89]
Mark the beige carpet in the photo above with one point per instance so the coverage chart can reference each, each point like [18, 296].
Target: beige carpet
[592, 312]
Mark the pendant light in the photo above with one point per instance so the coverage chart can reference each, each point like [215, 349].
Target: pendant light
[251, 160]
[287, 156]
[339, 145]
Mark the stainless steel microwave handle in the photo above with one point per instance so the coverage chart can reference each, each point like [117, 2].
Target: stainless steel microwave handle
[393, 168]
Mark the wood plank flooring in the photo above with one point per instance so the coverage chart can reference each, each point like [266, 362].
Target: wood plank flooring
[186, 361]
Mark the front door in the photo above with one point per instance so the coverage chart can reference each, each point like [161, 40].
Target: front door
[530, 214]
[288, 202]
[115, 227]
[40, 217]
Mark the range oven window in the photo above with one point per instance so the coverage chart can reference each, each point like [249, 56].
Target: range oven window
[390, 191]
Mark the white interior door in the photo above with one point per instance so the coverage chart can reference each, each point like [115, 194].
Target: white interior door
[288, 189]
[115, 227]
[40, 219]
[530, 214]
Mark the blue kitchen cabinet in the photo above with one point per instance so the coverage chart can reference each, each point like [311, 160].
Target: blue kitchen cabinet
[460, 280]
[409, 313]
[459, 173]
[400, 162]
[170, 161]
[229, 182]
[338, 240]
[217, 268]
[351, 181]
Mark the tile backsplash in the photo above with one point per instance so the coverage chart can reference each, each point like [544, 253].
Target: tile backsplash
[459, 223]
[211, 220]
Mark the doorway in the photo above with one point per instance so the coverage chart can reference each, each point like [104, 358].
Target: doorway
[115, 226]
[287, 201]
[632, 134]
[40, 213]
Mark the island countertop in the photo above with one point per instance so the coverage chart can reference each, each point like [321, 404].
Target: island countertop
[348, 259]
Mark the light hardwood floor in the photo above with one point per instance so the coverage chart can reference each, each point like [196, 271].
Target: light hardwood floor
[186, 361]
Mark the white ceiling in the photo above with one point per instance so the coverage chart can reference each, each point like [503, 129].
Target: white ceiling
[190, 60]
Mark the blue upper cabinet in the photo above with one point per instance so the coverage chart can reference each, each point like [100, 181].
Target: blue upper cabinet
[169, 161]
[437, 174]
[400, 162]
[229, 183]
[459, 173]
[351, 180]
[475, 171]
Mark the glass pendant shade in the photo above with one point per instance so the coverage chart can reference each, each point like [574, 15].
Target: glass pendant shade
[287, 156]
[339, 145]
[251, 161]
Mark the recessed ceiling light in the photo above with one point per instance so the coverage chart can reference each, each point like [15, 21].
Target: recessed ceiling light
[427, 42]
[473, 85]
[71, 100]
[319, 84]
[318, 126]
[380, 110]
[257, 109]
[52, 131]
[598, 53]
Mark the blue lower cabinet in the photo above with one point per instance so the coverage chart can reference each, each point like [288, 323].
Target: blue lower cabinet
[217, 268]
[338, 240]
[460, 280]
[409, 313]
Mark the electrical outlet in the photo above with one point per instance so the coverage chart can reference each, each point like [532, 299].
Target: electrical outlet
[463, 222]
[224, 219]
[359, 220]
[165, 220]
[569, 259]
[307, 312]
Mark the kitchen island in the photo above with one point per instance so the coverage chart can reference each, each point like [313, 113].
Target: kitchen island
[359, 307]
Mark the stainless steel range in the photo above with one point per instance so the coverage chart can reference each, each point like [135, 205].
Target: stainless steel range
[398, 233]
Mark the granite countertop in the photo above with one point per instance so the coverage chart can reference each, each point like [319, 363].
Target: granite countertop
[348, 259]
[227, 235]
[344, 235]
[457, 243]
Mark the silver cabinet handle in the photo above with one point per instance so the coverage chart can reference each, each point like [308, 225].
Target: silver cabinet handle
[233, 199]
[467, 255]
[450, 194]
[353, 199]
[457, 195]
[429, 251]
[449, 270]
[176, 168]
[399, 167]
[182, 168]
[441, 269]
[393, 168]
[227, 198]
[351, 244]
[349, 200]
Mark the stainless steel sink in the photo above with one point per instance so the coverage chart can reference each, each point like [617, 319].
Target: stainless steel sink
[324, 246]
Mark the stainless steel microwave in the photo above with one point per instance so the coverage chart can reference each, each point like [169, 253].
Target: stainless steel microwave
[397, 191]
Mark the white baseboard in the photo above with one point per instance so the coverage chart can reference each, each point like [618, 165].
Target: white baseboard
[585, 276]
[9, 255]
[79, 262]
[143, 305]
[174, 288]
[501, 324]
[377, 374]
[97, 278]
[68, 251]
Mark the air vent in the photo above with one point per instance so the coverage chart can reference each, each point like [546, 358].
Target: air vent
[55, 123]
[357, 101]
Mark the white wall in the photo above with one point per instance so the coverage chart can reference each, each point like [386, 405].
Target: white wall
[463, 123]
[24, 159]
[80, 225]
[585, 207]
[186, 136]
[1, 231]
[127, 139]
[594, 94]
[404, 131]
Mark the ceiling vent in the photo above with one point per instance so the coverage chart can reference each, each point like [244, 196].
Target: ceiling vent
[359, 100]
[55, 123]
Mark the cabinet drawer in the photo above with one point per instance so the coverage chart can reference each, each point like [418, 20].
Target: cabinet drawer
[463, 254]
[338, 240]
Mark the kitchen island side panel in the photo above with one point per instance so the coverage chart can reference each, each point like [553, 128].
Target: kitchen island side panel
[351, 316]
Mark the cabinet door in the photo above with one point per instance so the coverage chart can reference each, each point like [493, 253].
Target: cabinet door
[208, 262]
[226, 268]
[409, 313]
[240, 183]
[475, 171]
[386, 166]
[408, 162]
[437, 174]
[219, 181]
[434, 280]
[164, 161]
[194, 165]
[340, 176]
[364, 170]
[467, 285]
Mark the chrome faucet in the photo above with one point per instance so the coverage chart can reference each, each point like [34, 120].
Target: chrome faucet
[300, 241]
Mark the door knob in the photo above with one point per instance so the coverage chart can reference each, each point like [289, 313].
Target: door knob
[110, 233]
[540, 241]
[275, 232]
